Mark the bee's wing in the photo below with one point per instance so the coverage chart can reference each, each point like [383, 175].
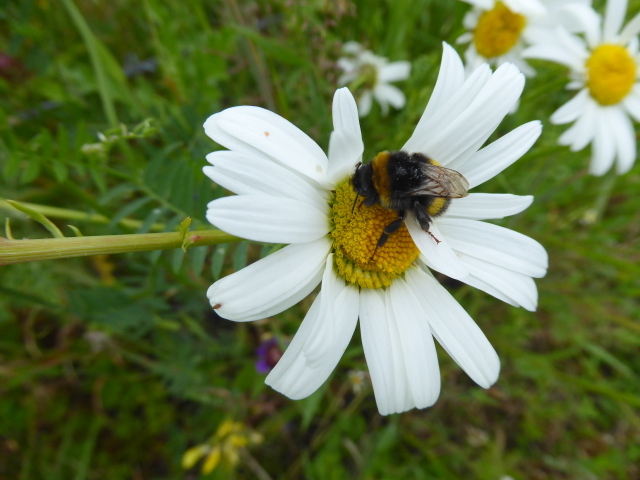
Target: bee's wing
[440, 182]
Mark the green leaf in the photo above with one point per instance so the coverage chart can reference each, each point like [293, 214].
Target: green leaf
[217, 261]
[128, 210]
[176, 260]
[197, 256]
[240, 256]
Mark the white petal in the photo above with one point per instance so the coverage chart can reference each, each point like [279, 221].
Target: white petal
[630, 30]
[301, 371]
[574, 45]
[625, 138]
[603, 147]
[575, 84]
[450, 80]
[394, 72]
[455, 330]
[344, 152]
[484, 206]
[417, 351]
[528, 7]
[438, 256]
[515, 56]
[581, 133]
[364, 104]
[253, 129]
[497, 156]
[268, 219]
[475, 282]
[346, 64]
[464, 38]
[378, 351]
[323, 336]
[632, 102]
[613, 18]
[482, 4]
[399, 349]
[433, 129]
[586, 20]
[560, 14]
[252, 175]
[512, 287]
[347, 78]
[272, 284]
[401, 395]
[571, 110]
[633, 45]
[466, 133]
[352, 47]
[389, 94]
[554, 53]
[455, 148]
[498, 245]
[473, 60]
[345, 113]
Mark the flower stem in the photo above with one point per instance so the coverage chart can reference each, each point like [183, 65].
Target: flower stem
[20, 251]
[68, 214]
[602, 200]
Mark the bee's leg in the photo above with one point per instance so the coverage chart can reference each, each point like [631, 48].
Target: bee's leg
[388, 230]
[424, 220]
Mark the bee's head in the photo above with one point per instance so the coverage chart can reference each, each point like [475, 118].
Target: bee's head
[362, 181]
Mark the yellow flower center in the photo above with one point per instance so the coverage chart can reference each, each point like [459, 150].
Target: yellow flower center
[498, 30]
[356, 234]
[611, 73]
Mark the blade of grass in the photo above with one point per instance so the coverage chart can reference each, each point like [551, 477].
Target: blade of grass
[96, 54]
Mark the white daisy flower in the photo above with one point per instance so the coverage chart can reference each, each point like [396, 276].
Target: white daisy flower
[369, 76]
[289, 191]
[605, 70]
[499, 30]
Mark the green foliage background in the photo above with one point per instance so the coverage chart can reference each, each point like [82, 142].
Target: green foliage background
[112, 368]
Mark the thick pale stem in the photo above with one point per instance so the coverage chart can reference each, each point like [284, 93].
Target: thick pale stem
[20, 251]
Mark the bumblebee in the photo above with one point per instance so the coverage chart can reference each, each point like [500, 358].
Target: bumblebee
[408, 182]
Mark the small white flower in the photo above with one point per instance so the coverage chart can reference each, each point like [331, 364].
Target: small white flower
[499, 30]
[370, 76]
[289, 191]
[605, 70]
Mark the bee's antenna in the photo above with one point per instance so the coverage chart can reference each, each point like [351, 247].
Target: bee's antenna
[375, 250]
[355, 200]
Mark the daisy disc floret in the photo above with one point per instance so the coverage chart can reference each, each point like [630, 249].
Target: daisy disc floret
[604, 68]
[289, 191]
[499, 30]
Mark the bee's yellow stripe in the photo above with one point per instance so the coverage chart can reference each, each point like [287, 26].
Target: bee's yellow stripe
[436, 205]
[381, 180]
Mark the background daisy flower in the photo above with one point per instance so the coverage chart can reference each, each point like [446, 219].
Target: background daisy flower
[498, 31]
[604, 68]
[290, 192]
[369, 76]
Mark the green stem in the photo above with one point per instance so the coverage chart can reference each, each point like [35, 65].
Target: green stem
[68, 214]
[605, 193]
[20, 251]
